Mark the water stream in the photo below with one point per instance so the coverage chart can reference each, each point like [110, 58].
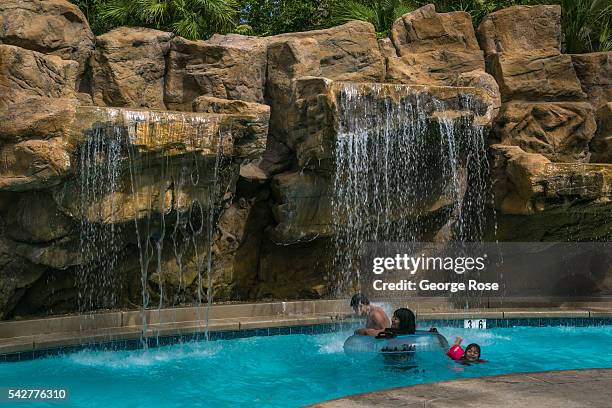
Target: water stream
[409, 167]
[149, 180]
[99, 176]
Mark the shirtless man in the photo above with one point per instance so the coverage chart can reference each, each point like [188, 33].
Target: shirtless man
[377, 319]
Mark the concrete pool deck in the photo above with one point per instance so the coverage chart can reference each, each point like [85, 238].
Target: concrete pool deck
[18, 336]
[590, 388]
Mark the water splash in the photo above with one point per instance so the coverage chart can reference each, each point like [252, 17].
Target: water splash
[122, 360]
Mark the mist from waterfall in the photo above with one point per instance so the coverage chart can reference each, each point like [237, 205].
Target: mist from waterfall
[408, 167]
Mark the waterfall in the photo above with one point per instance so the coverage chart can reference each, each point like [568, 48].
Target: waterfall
[408, 167]
[150, 181]
[98, 178]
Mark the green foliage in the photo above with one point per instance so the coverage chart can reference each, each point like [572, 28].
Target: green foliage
[270, 17]
[381, 13]
[587, 25]
[91, 11]
[193, 19]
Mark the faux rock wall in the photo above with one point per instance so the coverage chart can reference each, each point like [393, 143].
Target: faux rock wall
[546, 137]
[551, 146]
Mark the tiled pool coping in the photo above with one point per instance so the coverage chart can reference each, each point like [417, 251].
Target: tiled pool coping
[158, 341]
[339, 325]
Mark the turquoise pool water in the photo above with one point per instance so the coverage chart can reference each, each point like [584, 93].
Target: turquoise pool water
[288, 370]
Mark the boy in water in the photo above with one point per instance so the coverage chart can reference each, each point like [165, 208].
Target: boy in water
[377, 319]
[470, 355]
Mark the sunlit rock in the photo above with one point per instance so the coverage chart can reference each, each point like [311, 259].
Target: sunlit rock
[521, 29]
[228, 67]
[25, 73]
[128, 68]
[348, 52]
[433, 48]
[561, 131]
[424, 30]
[33, 164]
[540, 75]
[55, 27]
[528, 183]
[37, 118]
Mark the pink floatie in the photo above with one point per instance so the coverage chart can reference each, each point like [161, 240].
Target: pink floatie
[455, 352]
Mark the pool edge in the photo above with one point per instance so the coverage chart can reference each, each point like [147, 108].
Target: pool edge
[44, 336]
[525, 389]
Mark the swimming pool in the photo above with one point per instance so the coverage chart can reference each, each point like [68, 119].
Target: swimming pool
[288, 370]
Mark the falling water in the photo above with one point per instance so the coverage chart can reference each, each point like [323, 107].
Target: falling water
[167, 165]
[465, 164]
[187, 177]
[407, 169]
[213, 193]
[98, 177]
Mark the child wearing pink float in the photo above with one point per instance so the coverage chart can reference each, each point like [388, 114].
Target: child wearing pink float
[470, 355]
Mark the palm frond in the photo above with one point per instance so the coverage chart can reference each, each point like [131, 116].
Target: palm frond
[220, 14]
[188, 26]
[345, 11]
[119, 12]
[401, 10]
[381, 13]
[605, 39]
[155, 11]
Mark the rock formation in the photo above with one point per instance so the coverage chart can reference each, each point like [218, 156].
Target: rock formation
[228, 67]
[601, 145]
[135, 159]
[561, 131]
[52, 27]
[433, 48]
[544, 183]
[128, 68]
[594, 71]
[25, 73]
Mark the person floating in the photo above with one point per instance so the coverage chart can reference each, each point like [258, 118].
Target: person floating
[377, 319]
[402, 322]
[470, 355]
